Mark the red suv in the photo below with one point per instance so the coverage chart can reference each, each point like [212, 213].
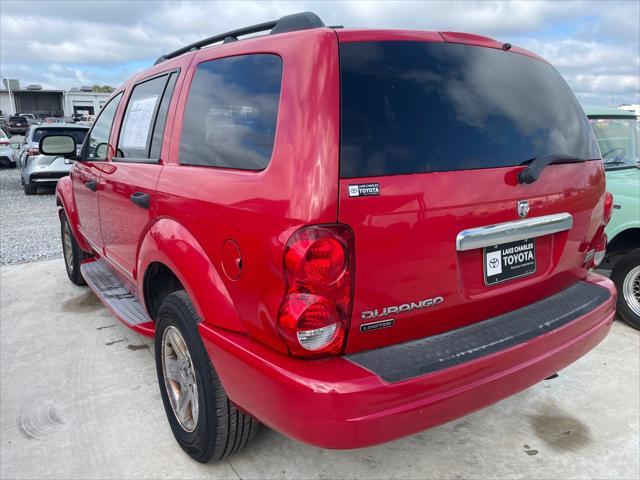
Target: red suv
[347, 235]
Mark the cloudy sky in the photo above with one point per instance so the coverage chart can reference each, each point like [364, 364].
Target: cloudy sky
[595, 45]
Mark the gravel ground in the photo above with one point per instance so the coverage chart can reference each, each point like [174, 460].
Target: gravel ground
[29, 227]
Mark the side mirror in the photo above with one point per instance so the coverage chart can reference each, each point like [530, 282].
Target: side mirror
[58, 145]
[101, 150]
[15, 145]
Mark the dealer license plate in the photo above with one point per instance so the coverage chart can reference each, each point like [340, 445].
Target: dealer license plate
[509, 260]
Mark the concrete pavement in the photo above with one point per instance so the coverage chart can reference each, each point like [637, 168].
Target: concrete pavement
[79, 399]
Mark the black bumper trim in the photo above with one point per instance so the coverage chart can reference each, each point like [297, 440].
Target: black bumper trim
[427, 355]
[42, 177]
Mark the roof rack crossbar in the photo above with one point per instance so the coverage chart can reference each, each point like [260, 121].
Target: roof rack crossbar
[288, 23]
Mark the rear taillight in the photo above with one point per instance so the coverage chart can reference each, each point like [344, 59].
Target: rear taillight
[33, 151]
[597, 249]
[600, 250]
[608, 207]
[4, 143]
[314, 315]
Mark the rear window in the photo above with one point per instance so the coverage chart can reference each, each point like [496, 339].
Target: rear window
[18, 119]
[77, 133]
[414, 107]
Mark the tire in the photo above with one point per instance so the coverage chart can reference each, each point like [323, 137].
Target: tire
[13, 165]
[212, 428]
[73, 255]
[626, 276]
[30, 189]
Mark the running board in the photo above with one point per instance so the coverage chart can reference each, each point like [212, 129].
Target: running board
[117, 297]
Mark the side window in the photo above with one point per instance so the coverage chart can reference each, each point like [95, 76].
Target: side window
[231, 113]
[97, 142]
[135, 133]
[161, 118]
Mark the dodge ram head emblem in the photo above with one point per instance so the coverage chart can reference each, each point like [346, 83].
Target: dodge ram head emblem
[523, 208]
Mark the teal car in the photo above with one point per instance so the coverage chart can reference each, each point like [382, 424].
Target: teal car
[618, 134]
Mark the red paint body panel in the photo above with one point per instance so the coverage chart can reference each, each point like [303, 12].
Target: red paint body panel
[219, 204]
[65, 199]
[334, 403]
[405, 244]
[480, 41]
[171, 244]
[126, 224]
[86, 202]
[470, 39]
[358, 35]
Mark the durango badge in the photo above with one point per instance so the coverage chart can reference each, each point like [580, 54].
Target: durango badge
[405, 307]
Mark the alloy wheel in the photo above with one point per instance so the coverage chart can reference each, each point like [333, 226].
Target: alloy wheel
[67, 246]
[180, 379]
[631, 289]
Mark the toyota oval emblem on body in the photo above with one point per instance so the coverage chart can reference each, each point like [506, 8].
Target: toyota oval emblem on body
[523, 208]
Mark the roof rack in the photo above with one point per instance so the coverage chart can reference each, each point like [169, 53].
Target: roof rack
[288, 23]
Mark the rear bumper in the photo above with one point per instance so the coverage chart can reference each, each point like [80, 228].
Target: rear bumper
[47, 177]
[338, 403]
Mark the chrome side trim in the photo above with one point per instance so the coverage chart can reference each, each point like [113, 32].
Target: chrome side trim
[513, 231]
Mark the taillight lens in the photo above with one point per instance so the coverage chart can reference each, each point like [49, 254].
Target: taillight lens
[315, 312]
[608, 207]
[311, 322]
[33, 151]
[600, 250]
[315, 258]
[4, 143]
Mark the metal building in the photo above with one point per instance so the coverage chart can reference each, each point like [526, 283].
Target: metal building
[51, 103]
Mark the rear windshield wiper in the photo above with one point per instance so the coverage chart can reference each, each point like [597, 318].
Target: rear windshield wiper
[536, 165]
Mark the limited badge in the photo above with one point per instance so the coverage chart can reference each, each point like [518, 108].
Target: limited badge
[367, 327]
[364, 190]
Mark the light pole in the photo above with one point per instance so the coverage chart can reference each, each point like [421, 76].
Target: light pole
[12, 110]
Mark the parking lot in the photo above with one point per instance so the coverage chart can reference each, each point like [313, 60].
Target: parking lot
[79, 399]
[29, 228]
[79, 396]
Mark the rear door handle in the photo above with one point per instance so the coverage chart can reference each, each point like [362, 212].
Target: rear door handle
[140, 199]
[91, 185]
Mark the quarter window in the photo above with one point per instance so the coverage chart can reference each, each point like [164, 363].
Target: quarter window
[231, 113]
[161, 118]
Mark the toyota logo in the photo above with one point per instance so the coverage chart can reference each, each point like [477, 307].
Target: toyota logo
[493, 263]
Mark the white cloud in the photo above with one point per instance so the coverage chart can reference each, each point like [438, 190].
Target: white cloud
[595, 45]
